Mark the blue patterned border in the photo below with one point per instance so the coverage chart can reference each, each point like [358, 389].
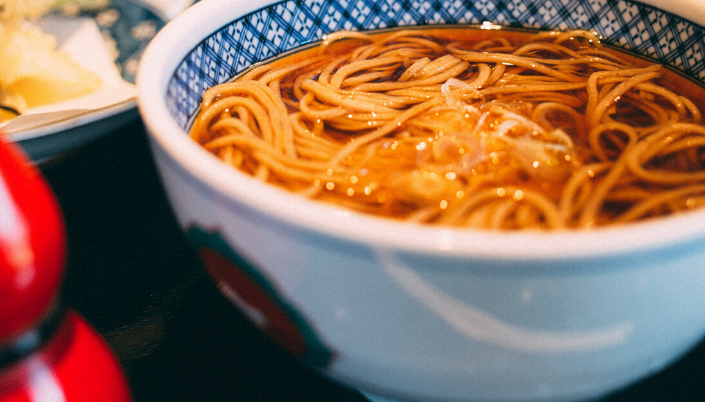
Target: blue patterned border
[290, 24]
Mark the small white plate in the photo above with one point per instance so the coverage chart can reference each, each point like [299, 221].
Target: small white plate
[123, 31]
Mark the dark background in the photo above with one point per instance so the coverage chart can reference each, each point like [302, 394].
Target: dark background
[132, 275]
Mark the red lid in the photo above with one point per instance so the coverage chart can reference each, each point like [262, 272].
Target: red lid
[32, 243]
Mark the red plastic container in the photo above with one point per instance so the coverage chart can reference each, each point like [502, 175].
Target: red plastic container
[47, 354]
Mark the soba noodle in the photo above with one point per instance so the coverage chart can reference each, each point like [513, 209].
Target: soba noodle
[504, 130]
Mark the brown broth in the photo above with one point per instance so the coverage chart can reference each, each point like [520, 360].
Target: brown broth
[378, 202]
[671, 79]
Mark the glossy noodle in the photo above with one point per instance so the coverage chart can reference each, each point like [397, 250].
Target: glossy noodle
[468, 128]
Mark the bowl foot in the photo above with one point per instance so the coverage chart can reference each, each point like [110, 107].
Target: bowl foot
[376, 398]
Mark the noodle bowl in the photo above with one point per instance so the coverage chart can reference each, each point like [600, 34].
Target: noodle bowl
[432, 311]
[504, 130]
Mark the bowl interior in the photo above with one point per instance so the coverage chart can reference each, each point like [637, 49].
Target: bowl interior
[215, 46]
[283, 26]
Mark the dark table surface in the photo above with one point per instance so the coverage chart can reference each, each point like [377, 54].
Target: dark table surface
[132, 275]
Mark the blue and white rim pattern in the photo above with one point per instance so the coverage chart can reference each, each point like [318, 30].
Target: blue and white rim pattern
[290, 24]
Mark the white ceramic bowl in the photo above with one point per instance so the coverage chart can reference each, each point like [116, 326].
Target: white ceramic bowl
[426, 313]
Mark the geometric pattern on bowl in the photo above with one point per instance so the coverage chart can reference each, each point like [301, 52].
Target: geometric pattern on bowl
[287, 25]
